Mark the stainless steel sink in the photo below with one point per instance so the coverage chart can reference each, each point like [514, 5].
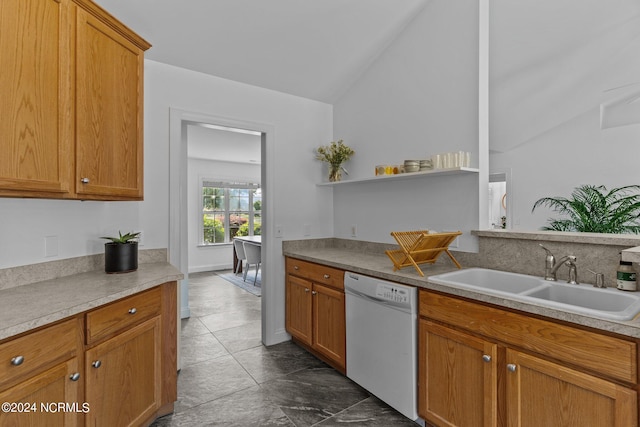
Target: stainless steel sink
[605, 303]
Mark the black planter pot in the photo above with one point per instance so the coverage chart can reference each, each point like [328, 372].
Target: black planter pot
[120, 257]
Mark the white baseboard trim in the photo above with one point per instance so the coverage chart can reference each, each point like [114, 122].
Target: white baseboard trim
[203, 268]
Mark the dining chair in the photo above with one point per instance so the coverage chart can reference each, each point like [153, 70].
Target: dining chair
[239, 247]
[253, 255]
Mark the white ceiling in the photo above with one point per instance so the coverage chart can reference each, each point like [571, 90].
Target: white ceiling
[208, 143]
[310, 48]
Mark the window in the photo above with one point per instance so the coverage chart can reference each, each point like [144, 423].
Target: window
[230, 209]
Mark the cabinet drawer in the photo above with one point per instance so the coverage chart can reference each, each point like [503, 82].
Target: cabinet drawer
[599, 353]
[37, 351]
[113, 318]
[316, 273]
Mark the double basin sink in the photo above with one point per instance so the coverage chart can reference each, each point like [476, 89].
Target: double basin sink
[605, 303]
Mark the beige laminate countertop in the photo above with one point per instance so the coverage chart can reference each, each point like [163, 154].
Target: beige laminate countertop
[30, 306]
[380, 266]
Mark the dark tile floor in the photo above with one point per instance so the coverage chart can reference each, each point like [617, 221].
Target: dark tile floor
[228, 378]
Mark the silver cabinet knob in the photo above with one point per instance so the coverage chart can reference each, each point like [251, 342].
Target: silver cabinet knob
[84, 180]
[17, 361]
[326, 276]
[96, 364]
[74, 377]
[133, 310]
[486, 358]
[313, 293]
[295, 267]
[306, 289]
[511, 367]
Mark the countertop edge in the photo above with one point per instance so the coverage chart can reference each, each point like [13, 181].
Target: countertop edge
[334, 257]
[107, 288]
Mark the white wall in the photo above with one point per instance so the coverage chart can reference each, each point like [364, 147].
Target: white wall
[24, 224]
[547, 90]
[419, 98]
[299, 126]
[211, 257]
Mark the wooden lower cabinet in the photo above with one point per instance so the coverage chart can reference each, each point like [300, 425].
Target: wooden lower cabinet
[299, 307]
[315, 315]
[483, 366]
[329, 327]
[115, 365]
[542, 393]
[458, 377]
[123, 377]
[35, 402]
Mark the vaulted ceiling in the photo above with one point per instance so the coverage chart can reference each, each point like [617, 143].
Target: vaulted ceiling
[310, 48]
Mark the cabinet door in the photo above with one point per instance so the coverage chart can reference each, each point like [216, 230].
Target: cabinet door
[457, 378]
[298, 308]
[35, 133]
[329, 323]
[542, 393]
[40, 396]
[109, 100]
[123, 381]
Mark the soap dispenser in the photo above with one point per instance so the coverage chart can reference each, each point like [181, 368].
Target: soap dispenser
[626, 276]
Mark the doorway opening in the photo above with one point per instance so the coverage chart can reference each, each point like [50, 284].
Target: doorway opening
[180, 122]
[499, 202]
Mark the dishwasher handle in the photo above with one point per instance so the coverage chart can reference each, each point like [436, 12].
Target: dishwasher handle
[362, 295]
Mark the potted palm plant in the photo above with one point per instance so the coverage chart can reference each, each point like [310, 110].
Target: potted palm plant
[595, 209]
[121, 253]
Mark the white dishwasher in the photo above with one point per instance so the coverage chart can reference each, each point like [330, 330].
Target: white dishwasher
[382, 355]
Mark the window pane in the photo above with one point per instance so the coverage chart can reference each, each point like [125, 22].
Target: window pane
[213, 228]
[239, 199]
[257, 225]
[212, 198]
[238, 222]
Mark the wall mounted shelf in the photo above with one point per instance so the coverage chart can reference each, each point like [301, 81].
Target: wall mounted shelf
[403, 176]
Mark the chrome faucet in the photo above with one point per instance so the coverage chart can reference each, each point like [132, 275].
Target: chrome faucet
[551, 266]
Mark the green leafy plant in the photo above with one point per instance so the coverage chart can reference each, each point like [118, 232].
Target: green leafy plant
[595, 209]
[123, 238]
[335, 154]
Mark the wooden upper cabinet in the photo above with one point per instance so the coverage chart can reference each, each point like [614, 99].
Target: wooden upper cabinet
[36, 140]
[72, 102]
[109, 110]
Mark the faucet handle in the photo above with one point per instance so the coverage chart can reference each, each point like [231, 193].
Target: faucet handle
[599, 279]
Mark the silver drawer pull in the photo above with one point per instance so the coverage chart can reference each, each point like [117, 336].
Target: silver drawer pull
[84, 180]
[486, 358]
[75, 377]
[96, 364]
[326, 276]
[511, 367]
[295, 267]
[17, 361]
[306, 289]
[133, 310]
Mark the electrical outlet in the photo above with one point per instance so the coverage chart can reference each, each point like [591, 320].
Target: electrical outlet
[278, 231]
[307, 229]
[50, 246]
[354, 230]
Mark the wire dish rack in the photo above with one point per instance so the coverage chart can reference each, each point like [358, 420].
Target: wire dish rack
[421, 247]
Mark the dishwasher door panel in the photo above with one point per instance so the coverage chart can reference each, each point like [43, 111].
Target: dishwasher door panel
[382, 353]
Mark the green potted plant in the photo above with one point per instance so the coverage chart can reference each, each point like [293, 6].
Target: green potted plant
[335, 154]
[594, 209]
[121, 253]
